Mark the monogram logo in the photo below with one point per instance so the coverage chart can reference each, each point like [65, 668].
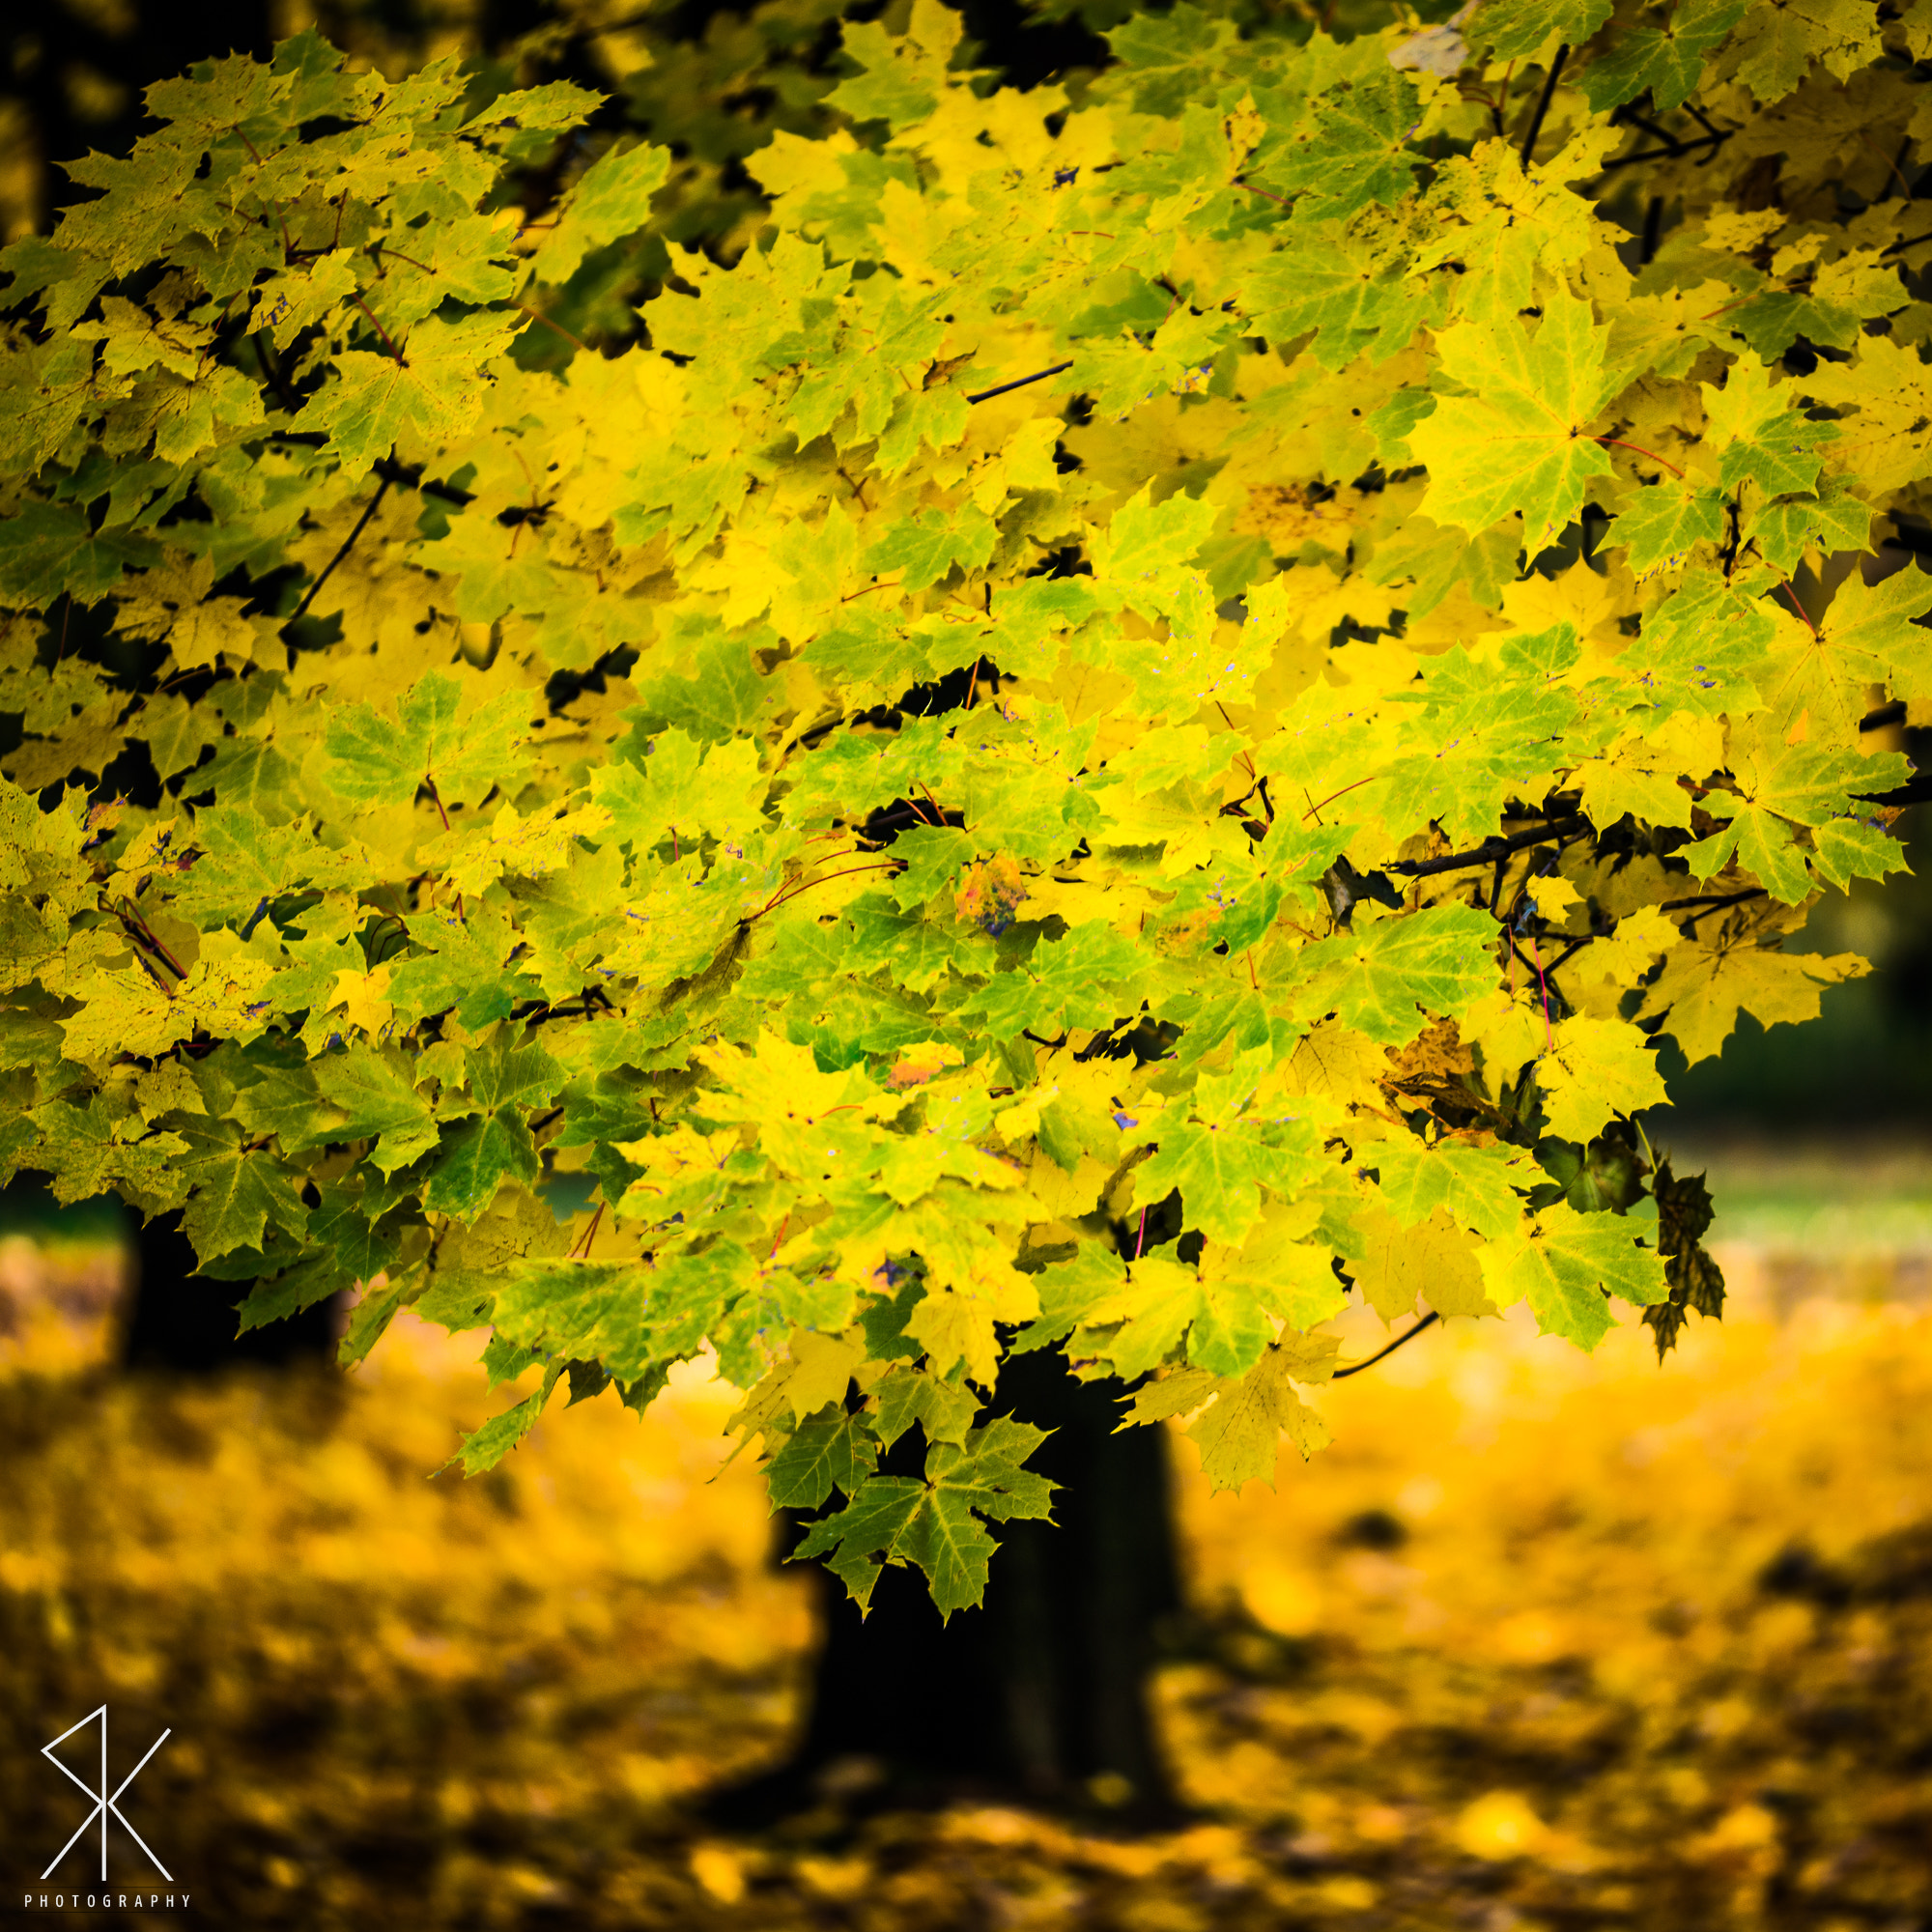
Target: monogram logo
[104, 1803]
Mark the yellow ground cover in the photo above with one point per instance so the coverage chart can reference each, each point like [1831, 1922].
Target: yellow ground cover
[1546, 1640]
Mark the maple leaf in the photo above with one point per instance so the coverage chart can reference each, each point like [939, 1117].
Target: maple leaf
[1517, 443]
[1595, 1069]
[1667, 58]
[1385, 980]
[610, 199]
[1516, 29]
[1566, 1266]
[1773, 47]
[935, 1522]
[1239, 1437]
[375, 758]
[430, 391]
[1734, 966]
[1392, 1265]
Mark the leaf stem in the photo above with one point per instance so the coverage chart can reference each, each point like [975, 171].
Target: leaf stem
[1617, 442]
[784, 897]
[388, 340]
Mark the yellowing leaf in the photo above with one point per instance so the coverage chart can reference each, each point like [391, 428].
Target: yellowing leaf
[1434, 1259]
[1517, 443]
[1597, 1068]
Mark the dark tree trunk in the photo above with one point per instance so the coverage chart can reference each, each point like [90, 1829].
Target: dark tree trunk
[179, 1321]
[1039, 1694]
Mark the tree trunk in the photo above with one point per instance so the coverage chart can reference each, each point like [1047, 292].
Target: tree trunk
[1041, 1693]
[179, 1321]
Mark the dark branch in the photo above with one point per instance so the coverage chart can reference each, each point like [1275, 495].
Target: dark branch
[1490, 849]
[1666, 154]
[1543, 100]
[987, 395]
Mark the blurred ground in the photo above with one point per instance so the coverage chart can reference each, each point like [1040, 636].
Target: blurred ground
[1543, 1641]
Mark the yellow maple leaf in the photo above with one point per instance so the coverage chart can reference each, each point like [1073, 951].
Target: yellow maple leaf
[1596, 1069]
[360, 996]
[1706, 982]
[1435, 1259]
[823, 1366]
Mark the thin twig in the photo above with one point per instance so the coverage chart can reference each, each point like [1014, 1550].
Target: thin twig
[987, 395]
[1408, 1335]
[347, 544]
[1547, 94]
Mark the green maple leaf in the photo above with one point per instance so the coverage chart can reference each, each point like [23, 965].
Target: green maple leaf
[246, 863]
[479, 1155]
[1517, 443]
[714, 692]
[236, 1193]
[1477, 1187]
[683, 790]
[486, 1447]
[435, 391]
[378, 759]
[377, 1097]
[464, 967]
[1660, 526]
[1512, 30]
[827, 1451]
[1668, 59]
[935, 1523]
[1835, 520]
[48, 549]
[1339, 134]
[1220, 1170]
[1063, 982]
[1566, 1266]
[592, 1310]
[1702, 647]
[88, 1150]
[1382, 980]
[612, 199]
[931, 543]
[903, 1396]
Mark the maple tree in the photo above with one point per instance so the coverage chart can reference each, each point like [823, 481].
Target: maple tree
[1132, 723]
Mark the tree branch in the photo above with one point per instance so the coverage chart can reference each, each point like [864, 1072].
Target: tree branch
[987, 395]
[1490, 849]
